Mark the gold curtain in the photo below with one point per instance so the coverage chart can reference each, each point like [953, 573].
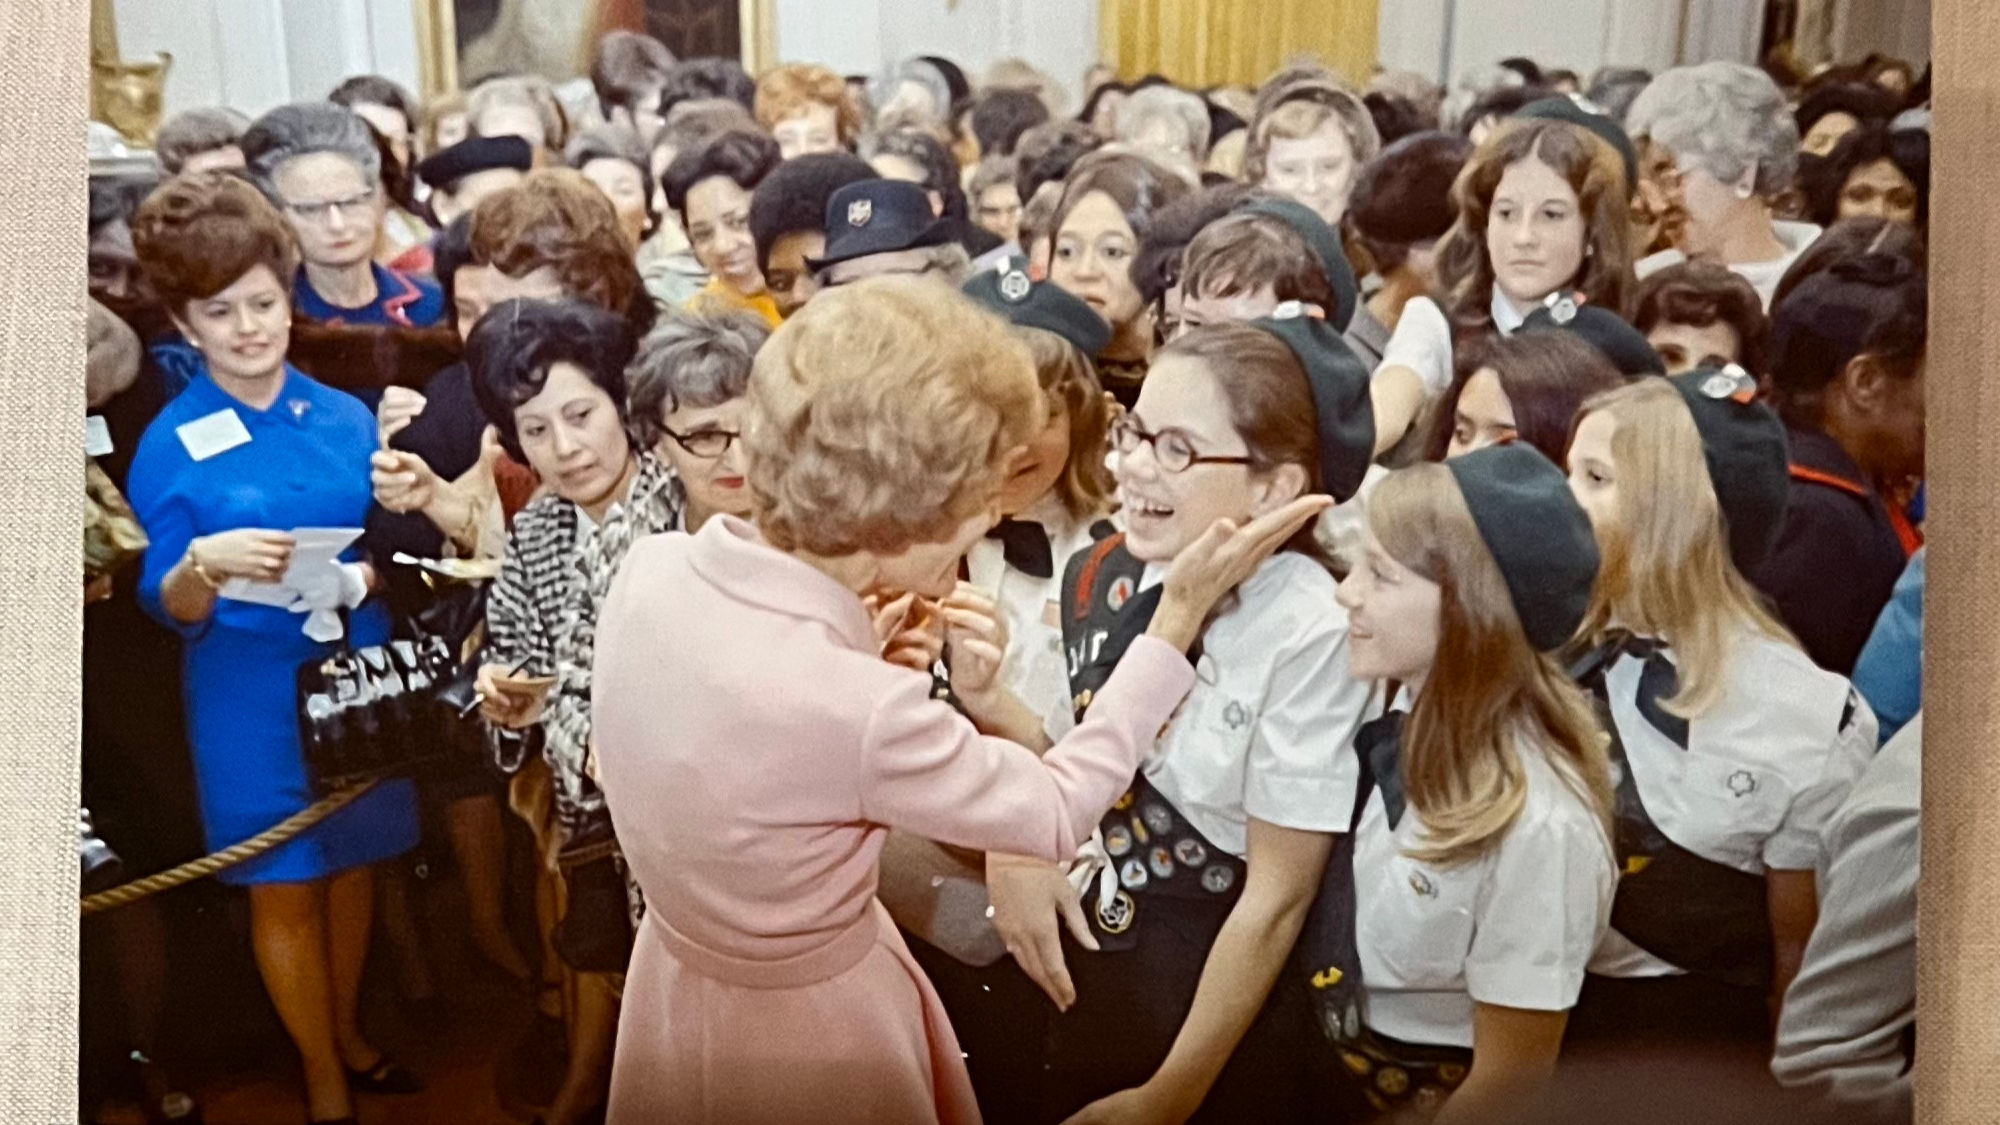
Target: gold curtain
[1202, 43]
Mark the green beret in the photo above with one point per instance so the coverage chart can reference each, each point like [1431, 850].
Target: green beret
[1612, 335]
[1009, 291]
[1537, 534]
[1339, 384]
[1325, 245]
[1749, 462]
[1563, 107]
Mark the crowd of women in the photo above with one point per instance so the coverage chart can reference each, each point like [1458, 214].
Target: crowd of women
[1305, 603]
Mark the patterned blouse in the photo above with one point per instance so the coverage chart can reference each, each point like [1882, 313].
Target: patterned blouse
[543, 610]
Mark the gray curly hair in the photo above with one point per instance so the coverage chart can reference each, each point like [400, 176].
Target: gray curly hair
[696, 359]
[1723, 118]
[301, 129]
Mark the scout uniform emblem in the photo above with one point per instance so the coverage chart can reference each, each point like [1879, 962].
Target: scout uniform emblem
[859, 212]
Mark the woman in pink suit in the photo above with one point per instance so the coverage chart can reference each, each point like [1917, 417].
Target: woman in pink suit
[754, 746]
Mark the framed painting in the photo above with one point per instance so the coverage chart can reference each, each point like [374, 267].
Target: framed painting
[462, 40]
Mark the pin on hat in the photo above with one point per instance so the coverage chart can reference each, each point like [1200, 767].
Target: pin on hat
[1562, 307]
[1748, 458]
[1731, 382]
[1008, 290]
[1015, 286]
[859, 212]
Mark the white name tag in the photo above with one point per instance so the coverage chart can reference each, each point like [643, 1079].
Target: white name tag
[96, 436]
[218, 433]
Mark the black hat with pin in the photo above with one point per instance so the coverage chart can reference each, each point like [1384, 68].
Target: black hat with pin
[1344, 413]
[1749, 462]
[1009, 291]
[443, 169]
[878, 217]
[1580, 111]
[1627, 349]
[1324, 243]
[1537, 534]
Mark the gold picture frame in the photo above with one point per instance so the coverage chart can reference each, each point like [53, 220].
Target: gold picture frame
[437, 41]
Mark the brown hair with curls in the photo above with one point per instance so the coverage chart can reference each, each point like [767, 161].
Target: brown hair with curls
[1270, 407]
[1592, 169]
[555, 218]
[1069, 380]
[196, 235]
[1240, 252]
[882, 415]
[788, 91]
[1488, 692]
[1699, 294]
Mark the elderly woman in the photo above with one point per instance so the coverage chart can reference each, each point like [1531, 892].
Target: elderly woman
[687, 385]
[249, 452]
[521, 105]
[1719, 144]
[1309, 139]
[768, 983]
[1167, 125]
[806, 109]
[319, 163]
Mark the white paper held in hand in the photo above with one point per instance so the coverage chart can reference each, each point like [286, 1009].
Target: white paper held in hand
[312, 583]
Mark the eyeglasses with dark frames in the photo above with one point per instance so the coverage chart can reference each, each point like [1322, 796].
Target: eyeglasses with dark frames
[706, 444]
[1171, 448]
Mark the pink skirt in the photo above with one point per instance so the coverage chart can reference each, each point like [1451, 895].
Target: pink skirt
[852, 1034]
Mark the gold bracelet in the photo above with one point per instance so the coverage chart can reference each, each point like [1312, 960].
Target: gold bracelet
[200, 571]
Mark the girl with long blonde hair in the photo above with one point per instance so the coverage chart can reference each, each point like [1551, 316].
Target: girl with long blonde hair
[1732, 747]
[1482, 862]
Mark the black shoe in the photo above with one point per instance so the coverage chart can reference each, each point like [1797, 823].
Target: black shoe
[387, 1076]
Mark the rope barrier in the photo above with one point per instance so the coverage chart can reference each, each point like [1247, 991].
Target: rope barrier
[230, 856]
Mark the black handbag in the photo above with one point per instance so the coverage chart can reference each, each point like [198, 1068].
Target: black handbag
[594, 934]
[385, 710]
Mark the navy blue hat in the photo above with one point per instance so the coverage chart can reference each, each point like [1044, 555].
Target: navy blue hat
[1627, 349]
[1749, 462]
[878, 217]
[1325, 245]
[1009, 291]
[1537, 534]
[1580, 111]
[1345, 414]
[475, 154]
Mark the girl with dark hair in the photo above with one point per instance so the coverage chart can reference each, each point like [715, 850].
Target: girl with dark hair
[550, 377]
[1518, 388]
[709, 188]
[1542, 216]
[1174, 1003]
[1105, 215]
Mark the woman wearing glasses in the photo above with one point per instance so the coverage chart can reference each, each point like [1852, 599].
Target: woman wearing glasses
[687, 385]
[1180, 1010]
[319, 164]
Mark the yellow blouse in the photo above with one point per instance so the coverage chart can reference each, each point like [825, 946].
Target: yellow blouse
[718, 296]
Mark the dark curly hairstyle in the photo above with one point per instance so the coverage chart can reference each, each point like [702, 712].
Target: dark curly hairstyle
[1699, 294]
[793, 197]
[197, 235]
[1047, 152]
[745, 158]
[513, 346]
[1823, 180]
[555, 218]
[1863, 101]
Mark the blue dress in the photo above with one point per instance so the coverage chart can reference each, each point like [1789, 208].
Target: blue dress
[306, 465]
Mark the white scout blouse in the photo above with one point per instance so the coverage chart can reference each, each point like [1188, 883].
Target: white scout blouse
[1514, 927]
[1764, 768]
[1422, 340]
[1034, 667]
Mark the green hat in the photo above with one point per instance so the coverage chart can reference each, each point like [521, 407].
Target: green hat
[1009, 291]
[1339, 383]
[1749, 463]
[1579, 111]
[1325, 245]
[1612, 335]
[1537, 534]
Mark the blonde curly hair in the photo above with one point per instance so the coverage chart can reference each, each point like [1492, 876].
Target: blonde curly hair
[884, 414]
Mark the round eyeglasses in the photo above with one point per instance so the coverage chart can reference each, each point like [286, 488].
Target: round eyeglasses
[1171, 448]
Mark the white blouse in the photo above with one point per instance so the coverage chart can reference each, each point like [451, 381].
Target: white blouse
[1422, 340]
[1764, 768]
[1513, 927]
[1268, 730]
[1034, 667]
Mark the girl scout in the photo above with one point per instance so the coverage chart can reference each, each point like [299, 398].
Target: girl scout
[1215, 854]
[1482, 863]
[1732, 748]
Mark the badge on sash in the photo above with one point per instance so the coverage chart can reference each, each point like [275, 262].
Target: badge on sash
[1117, 914]
[1118, 840]
[1133, 875]
[1162, 863]
[1119, 593]
[1190, 852]
[1217, 879]
[1158, 819]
